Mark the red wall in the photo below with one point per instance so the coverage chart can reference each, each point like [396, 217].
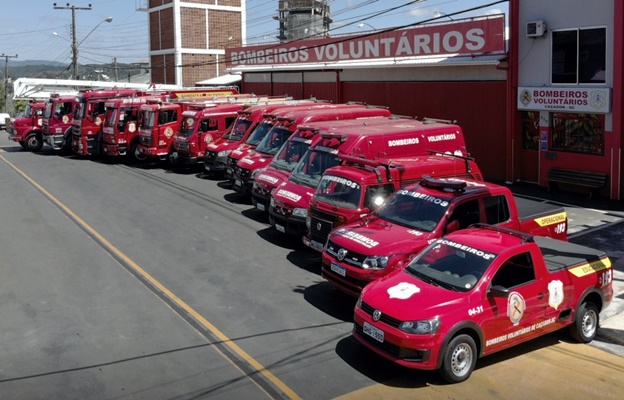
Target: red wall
[478, 107]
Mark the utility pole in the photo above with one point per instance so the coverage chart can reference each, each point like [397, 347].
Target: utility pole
[74, 45]
[6, 78]
[115, 69]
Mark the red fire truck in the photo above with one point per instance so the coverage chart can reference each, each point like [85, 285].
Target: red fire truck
[201, 125]
[254, 162]
[215, 160]
[57, 121]
[121, 127]
[394, 139]
[26, 129]
[89, 118]
[283, 164]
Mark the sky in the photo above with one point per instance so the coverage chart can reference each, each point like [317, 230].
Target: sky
[35, 30]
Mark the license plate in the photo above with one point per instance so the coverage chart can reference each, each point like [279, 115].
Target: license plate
[373, 332]
[280, 228]
[338, 269]
[316, 245]
[238, 182]
[260, 206]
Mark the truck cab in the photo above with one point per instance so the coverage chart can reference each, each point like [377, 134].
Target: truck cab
[120, 132]
[415, 215]
[89, 118]
[393, 138]
[200, 126]
[254, 162]
[358, 187]
[57, 122]
[26, 129]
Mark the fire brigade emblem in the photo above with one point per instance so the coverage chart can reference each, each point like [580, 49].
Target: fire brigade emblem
[597, 100]
[515, 307]
[525, 97]
[555, 289]
[98, 121]
[403, 291]
[65, 119]
[132, 127]
[208, 139]
[169, 132]
[376, 315]
[342, 253]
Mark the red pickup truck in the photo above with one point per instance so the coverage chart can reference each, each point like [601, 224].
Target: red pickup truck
[418, 214]
[478, 291]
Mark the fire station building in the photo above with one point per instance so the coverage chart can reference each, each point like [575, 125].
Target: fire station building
[548, 99]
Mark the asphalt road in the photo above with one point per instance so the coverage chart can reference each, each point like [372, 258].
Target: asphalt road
[125, 282]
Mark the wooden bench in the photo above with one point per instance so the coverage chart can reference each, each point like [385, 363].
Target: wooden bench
[593, 180]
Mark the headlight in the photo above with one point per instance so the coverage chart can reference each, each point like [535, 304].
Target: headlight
[256, 172]
[272, 202]
[224, 153]
[300, 212]
[358, 303]
[424, 327]
[375, 262]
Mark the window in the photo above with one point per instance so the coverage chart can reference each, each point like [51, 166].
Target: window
[516, 271]
[530, 129]
[496, 209]
[579, 56]
[579, 133]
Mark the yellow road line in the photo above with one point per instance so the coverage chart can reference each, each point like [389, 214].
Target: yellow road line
[170, 295]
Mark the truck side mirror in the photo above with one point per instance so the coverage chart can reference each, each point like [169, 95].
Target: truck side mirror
[452, 226]
[498, 291]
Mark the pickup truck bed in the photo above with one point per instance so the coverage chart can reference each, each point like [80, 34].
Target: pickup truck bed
[531, 209]
[560, 255]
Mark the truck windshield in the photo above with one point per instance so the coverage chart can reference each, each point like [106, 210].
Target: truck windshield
[288, 156]
[147, 119]
[451, 265]
[310, 168]
[239, 129]
[260, 132]
[413, 210]
[188, 125]
[272, 142]
[339, 191]
[28, 112]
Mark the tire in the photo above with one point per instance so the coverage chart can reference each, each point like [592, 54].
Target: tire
[33, 142]
[21, 143]
[460, 358]
[67, 143]
[586, 322]
[133, 155]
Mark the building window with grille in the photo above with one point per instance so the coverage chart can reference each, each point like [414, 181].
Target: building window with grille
[530, 129]
[579, 56]
[578, 133]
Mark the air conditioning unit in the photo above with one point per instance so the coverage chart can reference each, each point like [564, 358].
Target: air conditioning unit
[536, 29]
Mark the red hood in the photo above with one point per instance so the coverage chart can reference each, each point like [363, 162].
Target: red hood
[241, 151]
[406, 298]
[271, 177]
[291, 195]
[255, 160]
[223, 145]
[374, 236]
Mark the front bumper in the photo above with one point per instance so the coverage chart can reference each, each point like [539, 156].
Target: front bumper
[291, 225]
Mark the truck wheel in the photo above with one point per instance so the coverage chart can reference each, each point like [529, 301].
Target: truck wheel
[67, 143]
[133, 153]
[33, 142]
[586, 322]
[460, 358]
[21, 143]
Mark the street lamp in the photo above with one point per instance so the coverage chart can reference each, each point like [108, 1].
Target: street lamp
[361, 25]
[75, 46]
